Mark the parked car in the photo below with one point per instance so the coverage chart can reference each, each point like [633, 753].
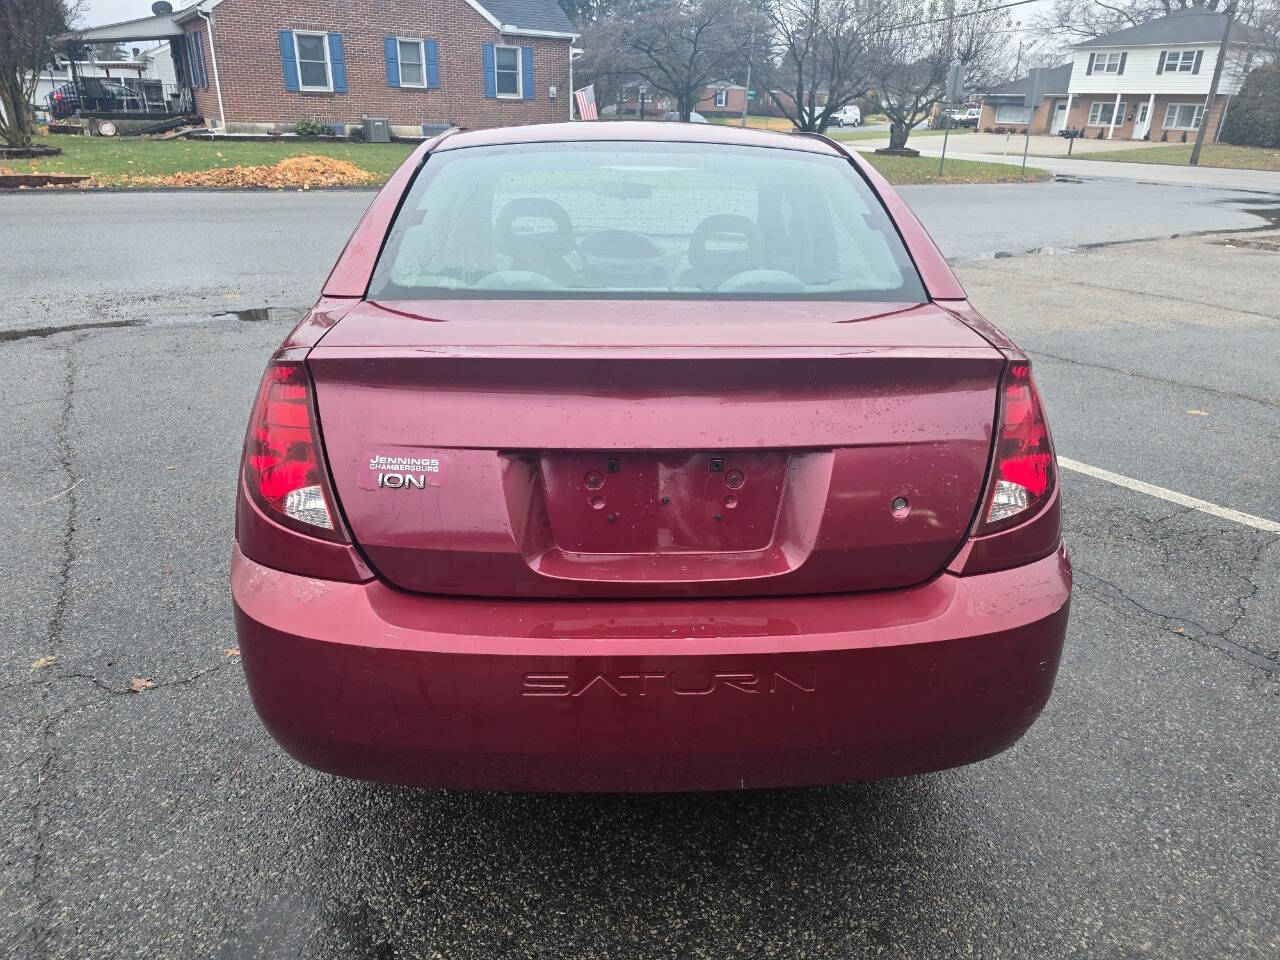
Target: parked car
[694, 116]
[645, 457]
[847, 116]
[969, 117]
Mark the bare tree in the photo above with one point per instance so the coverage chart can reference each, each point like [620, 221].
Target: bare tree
[676, 46]
[918, 49]
[27, 28]
[820, 59]
[1068, 22]
[605, 62]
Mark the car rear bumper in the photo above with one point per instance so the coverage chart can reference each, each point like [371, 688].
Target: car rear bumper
[366, 681]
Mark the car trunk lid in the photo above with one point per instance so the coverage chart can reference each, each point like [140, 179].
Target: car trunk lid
[661, 448]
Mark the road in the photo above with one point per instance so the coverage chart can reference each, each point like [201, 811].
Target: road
[1138, 817]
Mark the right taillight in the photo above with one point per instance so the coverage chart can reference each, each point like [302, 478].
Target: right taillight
[1023, 472]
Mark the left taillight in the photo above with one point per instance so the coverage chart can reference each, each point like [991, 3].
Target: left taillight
[1023, 469]
[283, 465]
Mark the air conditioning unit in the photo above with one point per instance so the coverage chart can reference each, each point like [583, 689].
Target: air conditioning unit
[376, 129]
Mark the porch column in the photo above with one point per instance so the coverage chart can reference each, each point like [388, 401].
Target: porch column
[1114, 110]
[1066, 120]
[1151, 114]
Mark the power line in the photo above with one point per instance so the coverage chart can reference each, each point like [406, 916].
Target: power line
[961, 16]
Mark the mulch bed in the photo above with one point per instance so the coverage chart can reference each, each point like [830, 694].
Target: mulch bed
[28, 153]
[8, 181]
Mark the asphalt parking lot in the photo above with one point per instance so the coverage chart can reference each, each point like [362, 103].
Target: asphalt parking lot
[1139, 817]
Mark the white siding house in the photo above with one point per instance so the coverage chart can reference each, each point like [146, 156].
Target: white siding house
[1151, 81]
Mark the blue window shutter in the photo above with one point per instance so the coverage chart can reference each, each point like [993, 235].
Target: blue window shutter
[393, 61]
[490, 72]
[200, 65]
[1196, 66]
[1089, 69]
[526, 68]
[433, 64]
[1123, 57]
[191, 55]
[338, 63]
[288, 59]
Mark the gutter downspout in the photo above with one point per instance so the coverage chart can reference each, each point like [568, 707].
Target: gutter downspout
[213, 54]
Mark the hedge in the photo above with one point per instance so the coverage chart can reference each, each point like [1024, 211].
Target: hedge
[1253, 115]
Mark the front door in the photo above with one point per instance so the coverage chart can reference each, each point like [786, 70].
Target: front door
[1059, 117]
[1142, 123]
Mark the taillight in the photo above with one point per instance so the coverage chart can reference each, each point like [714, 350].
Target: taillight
[282, 467]
[1023, 472]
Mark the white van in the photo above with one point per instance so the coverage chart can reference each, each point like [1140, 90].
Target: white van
[847, 116]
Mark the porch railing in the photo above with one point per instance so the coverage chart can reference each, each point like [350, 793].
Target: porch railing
[118, 95]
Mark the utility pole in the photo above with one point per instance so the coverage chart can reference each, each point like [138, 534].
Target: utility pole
[1036, 83]
[953, 95]
[1213, 85]
[746, 94]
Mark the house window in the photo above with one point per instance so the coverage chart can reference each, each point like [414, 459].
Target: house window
[507, 70]
[1010, 113]
[412, 63]
[722, 97]
[1106, 63]
[1183, 116]
[1179, 61]
[1101, 113]
[312, 50]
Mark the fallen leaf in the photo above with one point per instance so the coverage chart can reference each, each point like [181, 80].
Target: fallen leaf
[232, 652]
[141, 683]
[303, 171]
[1198, 413]
[44, 662]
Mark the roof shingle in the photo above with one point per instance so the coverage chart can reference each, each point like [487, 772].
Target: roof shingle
[1184, 26]
[529, 14]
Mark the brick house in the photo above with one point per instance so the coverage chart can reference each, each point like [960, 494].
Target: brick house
[1145, 82]
[1002, 105]
[722, 98]
[264, 65]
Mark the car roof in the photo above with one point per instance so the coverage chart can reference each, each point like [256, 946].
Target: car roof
[634, 130]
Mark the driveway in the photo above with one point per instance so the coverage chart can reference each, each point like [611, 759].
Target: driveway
[1138, 817]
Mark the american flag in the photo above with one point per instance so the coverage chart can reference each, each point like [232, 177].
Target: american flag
[586, 101]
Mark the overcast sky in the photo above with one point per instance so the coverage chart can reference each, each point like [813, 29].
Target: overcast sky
[112, 11]
[98, 12]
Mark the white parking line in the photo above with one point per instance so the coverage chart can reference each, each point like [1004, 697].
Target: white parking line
[1204, 506]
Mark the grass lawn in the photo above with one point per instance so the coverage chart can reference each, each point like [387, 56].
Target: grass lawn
[1211, 155]
[758, 123]
[111, 161]
[901, 170]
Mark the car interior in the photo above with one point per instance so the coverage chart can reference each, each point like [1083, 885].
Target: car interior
[631, 228]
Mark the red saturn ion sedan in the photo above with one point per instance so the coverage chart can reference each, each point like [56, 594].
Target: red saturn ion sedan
[630, 456]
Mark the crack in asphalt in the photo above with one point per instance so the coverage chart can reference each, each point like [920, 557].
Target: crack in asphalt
[1130, 291]
[108, 692]
[57, 625]
[1116, 598]
[1037, 353]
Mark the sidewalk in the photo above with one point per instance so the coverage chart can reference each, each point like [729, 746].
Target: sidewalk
[1265, 180]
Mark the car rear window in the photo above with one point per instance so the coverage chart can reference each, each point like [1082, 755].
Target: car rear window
[642, 220]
